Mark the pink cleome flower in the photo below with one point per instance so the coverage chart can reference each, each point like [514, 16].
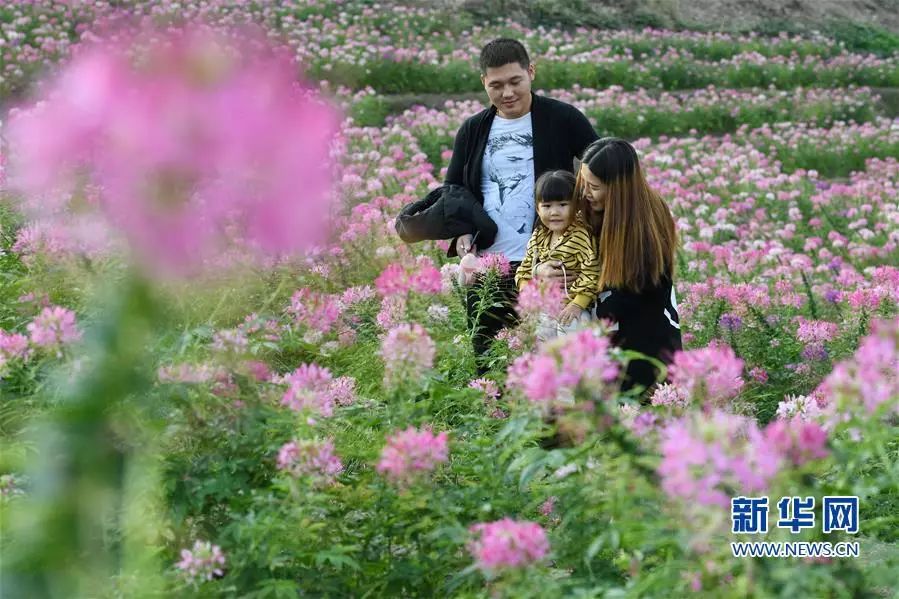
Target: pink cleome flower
[870, 379]
[313, 387]
[315, 311]
[497, 262]
[408, 352]
[669, 395]
[177, 173]
[53, 327]
[549, 506]
[799, 440]
[580, 359]
[705, 456]
[507, 544]
[13, 346]
[203, 562]
[310, 458]
[712, 373]
[485, 386]
[816, 331]
[392, 312]
[411, 452]
[540, 296]
[420, 276]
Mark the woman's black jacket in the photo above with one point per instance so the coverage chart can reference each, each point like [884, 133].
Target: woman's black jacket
[648, 322]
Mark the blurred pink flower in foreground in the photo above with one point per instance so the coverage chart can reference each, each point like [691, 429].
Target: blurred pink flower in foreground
[800, 441]
[311, 458]
[541, 296]
[869, 381]
[53, 327]
[186, 144]
[203, 562]
[313, 387]
[558, 368]
[314, 310]
[411, 452]
[420, 276]
[711, 374]
[507, 544]
[408, 352]
[13, 346]
[706, 456]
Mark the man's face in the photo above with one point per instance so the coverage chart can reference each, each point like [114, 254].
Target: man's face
[509, 89]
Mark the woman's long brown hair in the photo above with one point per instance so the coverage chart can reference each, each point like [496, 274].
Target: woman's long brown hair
[636, 232]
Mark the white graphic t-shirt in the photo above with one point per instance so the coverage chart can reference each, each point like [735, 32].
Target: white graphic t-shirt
[507, 182]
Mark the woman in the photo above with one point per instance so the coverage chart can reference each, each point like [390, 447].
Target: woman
[637, 244]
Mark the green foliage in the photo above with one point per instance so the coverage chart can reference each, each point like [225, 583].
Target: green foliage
[459, 77]
[859, 37]
[370, 111]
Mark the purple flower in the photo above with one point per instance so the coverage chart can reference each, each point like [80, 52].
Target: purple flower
[731, 322]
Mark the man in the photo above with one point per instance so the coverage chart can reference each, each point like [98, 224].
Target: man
[498, 155]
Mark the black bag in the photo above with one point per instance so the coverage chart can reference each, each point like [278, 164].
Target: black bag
[445, 213]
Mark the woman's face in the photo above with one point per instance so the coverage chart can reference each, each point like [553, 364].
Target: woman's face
[595, 191]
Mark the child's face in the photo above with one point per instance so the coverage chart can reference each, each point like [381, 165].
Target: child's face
[556, 216]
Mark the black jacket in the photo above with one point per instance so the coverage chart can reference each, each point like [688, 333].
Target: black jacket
[647, 322]
[561, 132]
[446, 212]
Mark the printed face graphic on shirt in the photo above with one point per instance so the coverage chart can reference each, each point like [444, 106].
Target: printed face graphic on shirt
[509, 159]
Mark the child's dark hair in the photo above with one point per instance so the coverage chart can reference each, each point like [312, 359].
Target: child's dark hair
[501, 52]
[553, 186]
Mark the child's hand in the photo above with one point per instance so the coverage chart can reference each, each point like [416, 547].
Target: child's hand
[569, 314]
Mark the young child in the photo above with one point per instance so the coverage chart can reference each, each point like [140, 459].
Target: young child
[561, 233]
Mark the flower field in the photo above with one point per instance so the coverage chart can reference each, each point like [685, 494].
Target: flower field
[223, 374]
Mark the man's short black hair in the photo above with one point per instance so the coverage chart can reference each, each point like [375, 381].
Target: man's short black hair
[501, 52]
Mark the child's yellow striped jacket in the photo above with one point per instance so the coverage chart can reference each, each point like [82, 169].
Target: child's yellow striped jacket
[576, 251]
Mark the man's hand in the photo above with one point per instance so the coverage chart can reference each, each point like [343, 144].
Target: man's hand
[463, 244]
[551, 269]
[571, 312]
